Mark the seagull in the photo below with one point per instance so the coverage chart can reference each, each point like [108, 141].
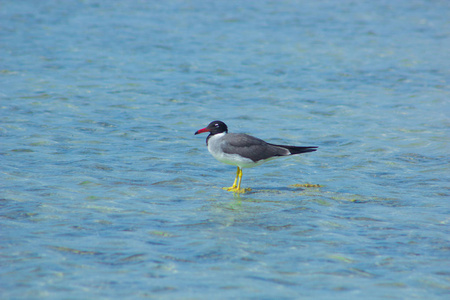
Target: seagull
[243, 150]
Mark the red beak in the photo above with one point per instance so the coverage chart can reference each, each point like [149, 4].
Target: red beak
[202, 130]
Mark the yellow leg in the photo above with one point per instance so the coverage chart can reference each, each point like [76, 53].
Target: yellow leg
[240, 179]
[233, 187]
[237, 188]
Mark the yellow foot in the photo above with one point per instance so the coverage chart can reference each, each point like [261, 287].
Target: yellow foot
[231, 188]
[236, 190]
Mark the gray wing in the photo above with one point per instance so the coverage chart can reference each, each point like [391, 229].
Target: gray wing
[251, 147]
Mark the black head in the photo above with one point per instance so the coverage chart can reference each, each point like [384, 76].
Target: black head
[214, 127]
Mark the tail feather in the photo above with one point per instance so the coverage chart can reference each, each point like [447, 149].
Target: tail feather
[297, 150]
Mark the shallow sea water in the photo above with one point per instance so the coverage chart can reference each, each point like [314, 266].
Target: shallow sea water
[105, 192]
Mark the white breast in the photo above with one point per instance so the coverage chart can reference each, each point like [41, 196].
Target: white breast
[215, 144]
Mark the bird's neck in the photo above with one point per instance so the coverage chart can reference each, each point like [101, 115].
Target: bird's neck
[216, 136]
[207, 139]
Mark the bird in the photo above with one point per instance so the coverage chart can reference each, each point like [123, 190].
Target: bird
[243, 150]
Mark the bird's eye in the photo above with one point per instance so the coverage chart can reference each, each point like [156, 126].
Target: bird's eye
[217, 125]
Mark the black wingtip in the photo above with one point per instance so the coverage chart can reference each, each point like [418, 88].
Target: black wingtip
[298, 150]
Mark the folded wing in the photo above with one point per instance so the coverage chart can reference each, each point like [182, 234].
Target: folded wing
[256, 149]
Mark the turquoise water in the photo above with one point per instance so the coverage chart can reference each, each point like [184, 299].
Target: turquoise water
[106, 193]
